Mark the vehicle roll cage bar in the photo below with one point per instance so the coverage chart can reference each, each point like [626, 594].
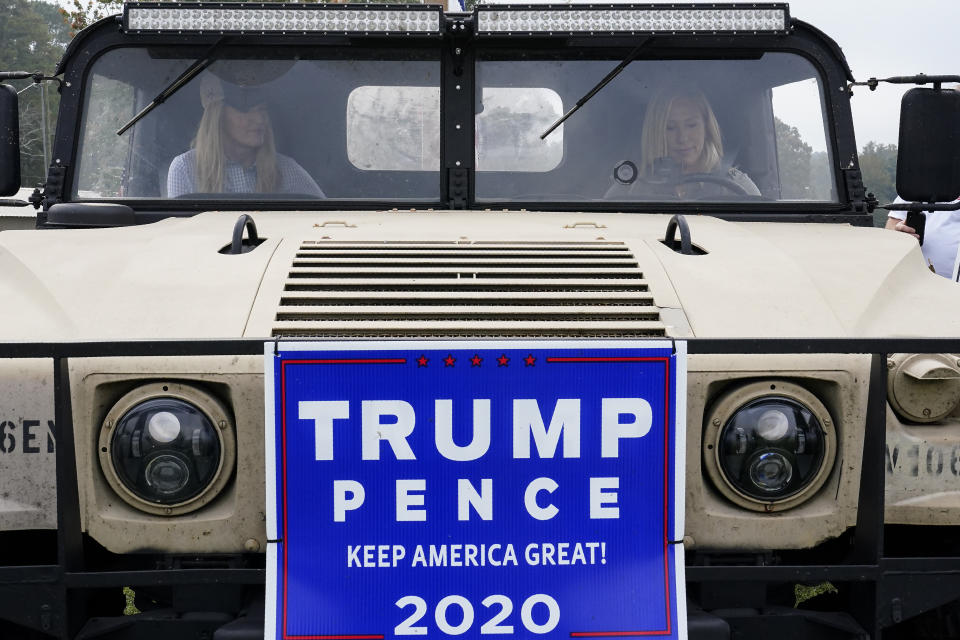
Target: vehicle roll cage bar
[883, 589]
[459, 45]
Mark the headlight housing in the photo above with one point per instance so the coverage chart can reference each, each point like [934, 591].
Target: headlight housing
[167, 448]
[769, 445]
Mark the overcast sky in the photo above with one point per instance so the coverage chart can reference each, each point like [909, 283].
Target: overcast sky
[881, 38]
[884, 38]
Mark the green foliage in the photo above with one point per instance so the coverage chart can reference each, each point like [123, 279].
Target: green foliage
[821, 176]
[878, 165]
[130, 607]
[104, 155]
[33, 36]
[802, 592]
[804, 175]
[793, 156]
[80, 14]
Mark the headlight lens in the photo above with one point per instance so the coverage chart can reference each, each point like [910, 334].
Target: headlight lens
[770, 471]
[768, 445]
[163, 448]
[167, 475]
[771, 448]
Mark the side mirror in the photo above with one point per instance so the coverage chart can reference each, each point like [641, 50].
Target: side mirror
[9, 141]
[928, 156]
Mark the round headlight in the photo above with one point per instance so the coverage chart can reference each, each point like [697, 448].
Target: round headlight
[769, 445]
[923, 387]
[163, 448]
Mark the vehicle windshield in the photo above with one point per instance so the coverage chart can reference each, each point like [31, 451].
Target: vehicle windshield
[662, 130]
[299, 124]
[314, 124]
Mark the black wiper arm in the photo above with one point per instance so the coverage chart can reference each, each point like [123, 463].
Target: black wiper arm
[600, 85]
[189, 74]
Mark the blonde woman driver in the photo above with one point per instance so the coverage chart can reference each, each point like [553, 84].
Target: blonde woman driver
[233, 151]
[681, 153]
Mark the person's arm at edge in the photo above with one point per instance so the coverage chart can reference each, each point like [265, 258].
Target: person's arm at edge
[895, 222]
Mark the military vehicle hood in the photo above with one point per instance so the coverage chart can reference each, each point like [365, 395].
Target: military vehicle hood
[468, 273]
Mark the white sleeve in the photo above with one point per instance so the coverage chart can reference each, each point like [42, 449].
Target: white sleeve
[899, 215]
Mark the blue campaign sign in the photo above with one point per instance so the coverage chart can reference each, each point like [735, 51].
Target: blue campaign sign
[440, 489]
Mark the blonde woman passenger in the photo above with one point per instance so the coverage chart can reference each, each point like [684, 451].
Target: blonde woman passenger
[681, 153]
[234, 151]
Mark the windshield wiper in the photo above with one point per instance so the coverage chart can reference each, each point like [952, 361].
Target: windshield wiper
[189, 74]
[600, 85]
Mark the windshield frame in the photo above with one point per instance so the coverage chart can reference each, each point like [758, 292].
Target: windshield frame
[457, 86]
[830, 75]
[419, 48]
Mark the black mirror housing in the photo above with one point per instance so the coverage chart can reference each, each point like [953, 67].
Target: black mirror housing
[9, 141]
[928, 156]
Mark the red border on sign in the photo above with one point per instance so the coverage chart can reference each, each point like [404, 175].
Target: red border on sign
[556, 360]
[283, 490]
[666, 496]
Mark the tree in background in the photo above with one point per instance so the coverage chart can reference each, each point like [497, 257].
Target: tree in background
[821, 176]
[804, 173]
[80, 14]
[793, 157]
[33, 36]
[878, 165]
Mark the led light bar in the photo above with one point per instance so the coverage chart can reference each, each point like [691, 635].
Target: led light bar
[262, 18]
[654, 19]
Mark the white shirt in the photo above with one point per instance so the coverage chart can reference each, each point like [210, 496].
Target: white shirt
[941, 238]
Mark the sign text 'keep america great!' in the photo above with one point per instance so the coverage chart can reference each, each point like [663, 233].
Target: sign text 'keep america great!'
[516, 489]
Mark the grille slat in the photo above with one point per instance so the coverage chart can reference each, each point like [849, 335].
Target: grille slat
[406, 313]
[468, 329]
[448, 289]
[471, 285]
[446, 298]
[497, 247]
[451, 272]
[485, 263]
[435, 255]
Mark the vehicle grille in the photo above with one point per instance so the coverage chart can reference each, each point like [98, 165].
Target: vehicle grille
[480, 289]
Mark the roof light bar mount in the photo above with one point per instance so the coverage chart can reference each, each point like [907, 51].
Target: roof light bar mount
[633, 19]
[264, 18]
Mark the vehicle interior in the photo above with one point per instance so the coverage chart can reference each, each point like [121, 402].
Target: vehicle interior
[374, 127]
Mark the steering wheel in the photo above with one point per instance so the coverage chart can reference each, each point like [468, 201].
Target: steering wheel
[710, 178]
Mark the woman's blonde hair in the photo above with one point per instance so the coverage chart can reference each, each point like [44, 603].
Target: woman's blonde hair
[653, 140]
[210, 156]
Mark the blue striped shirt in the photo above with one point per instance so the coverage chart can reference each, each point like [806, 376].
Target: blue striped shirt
[294, 179]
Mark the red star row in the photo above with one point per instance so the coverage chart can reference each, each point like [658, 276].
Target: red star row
[476, 360]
